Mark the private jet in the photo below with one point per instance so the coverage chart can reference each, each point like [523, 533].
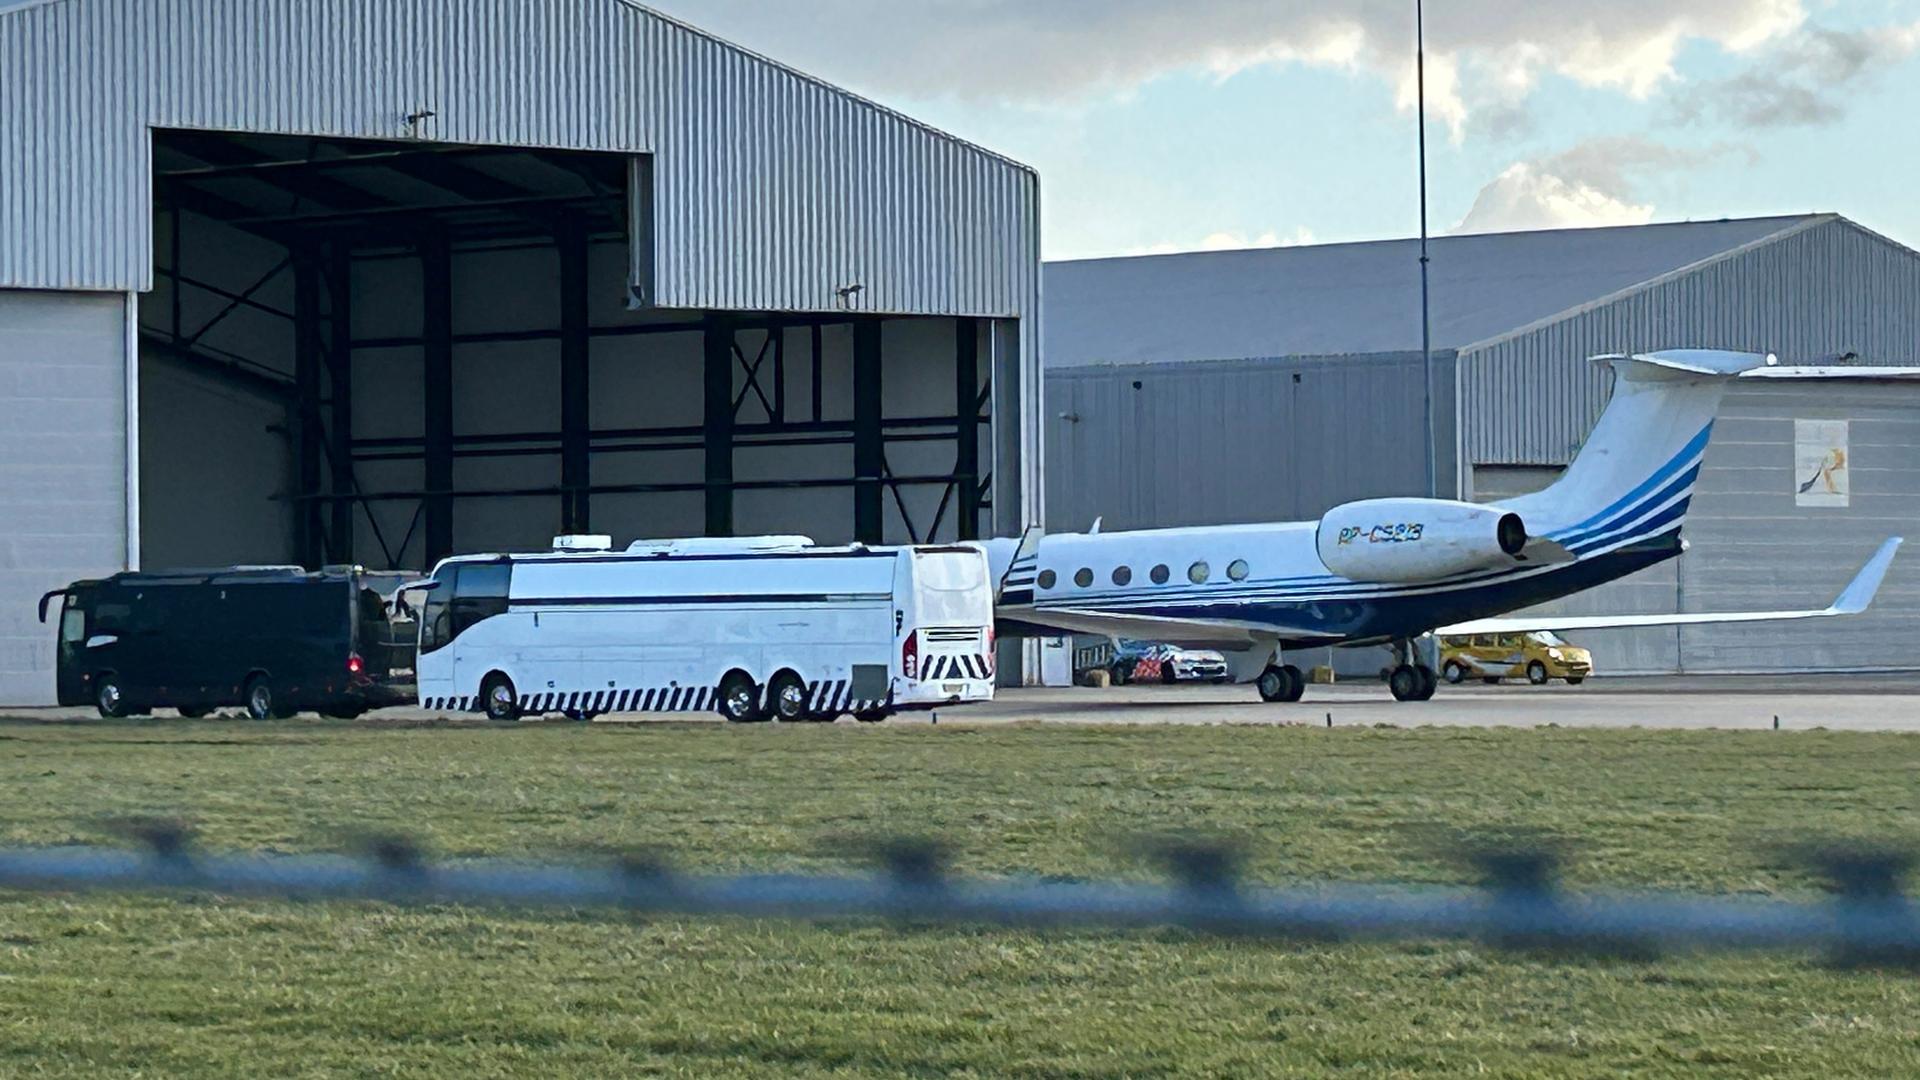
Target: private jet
[1390, 571]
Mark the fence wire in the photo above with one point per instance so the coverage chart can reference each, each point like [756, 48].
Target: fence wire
[1867, 921]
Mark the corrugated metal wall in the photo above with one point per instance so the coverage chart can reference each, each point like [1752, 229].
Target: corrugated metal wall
[1214, 442]
[1752, 548]
[773, 190]
[1829, 288]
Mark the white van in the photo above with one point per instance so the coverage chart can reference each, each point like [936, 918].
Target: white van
[756, 628]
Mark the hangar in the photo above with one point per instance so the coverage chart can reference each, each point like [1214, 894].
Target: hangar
[324, 282]
[1274, 384]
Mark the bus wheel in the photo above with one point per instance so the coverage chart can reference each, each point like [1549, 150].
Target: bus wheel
[787, 693]
[262, 703]
[498, 698]
[739, 699]
[109, 698]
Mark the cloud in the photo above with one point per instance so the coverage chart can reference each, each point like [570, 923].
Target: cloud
[1593, 183]
[1229, 241]
[1481, 53]
[1805, 81]
[1528, 196]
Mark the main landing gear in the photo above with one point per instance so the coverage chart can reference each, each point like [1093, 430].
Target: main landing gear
[1410, 680]
[1281, 682]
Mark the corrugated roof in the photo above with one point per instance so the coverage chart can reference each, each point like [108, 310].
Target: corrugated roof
[1344, 299]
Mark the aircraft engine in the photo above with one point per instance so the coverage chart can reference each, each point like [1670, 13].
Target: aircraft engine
[1408, 540]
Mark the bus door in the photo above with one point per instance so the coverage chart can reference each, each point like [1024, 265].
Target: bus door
[469, 593]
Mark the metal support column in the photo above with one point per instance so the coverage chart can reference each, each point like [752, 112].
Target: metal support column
[718, 424]
[309, 542]
[869, 444]
[966, 404]
[340, 395]
[575, 430]
[436, 275]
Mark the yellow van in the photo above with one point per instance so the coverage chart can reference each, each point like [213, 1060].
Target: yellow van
[1538, 657]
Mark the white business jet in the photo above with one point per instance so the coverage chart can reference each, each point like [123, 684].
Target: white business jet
[1387, 571]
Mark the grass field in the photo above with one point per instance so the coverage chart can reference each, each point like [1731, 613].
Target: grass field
[123, 986]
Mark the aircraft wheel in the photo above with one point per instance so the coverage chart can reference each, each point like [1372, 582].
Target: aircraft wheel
[192, 712]
[872, 716]
[1166, 674]
[1490, 680]
[1536, 673]
[1278, 683]
[1406, 683]
[1576, 680]
[1429, 682]
[1454, 673]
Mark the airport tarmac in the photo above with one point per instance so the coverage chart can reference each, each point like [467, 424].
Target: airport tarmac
[1889, 702]
[1881, 702]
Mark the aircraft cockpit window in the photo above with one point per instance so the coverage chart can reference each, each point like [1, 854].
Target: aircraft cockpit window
[1160, 574]
[1237, 569]
[1122, 575]
[1047, 579]
[1198, 572]
[1083, 577]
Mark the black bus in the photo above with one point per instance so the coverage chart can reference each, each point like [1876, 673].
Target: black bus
[276, 640]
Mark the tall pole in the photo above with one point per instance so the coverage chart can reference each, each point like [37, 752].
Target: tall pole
[1426, 328]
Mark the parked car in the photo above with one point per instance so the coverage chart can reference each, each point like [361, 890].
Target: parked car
[275, 640]
[1151, 661]
[1537, 657]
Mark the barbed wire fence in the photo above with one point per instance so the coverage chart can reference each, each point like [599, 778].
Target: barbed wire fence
[1867, 920]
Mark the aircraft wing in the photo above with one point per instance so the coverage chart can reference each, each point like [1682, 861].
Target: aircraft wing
[1852, 601]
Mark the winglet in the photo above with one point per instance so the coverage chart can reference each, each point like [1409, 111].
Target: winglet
[1860, 591]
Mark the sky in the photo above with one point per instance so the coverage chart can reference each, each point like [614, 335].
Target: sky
[1161, 126]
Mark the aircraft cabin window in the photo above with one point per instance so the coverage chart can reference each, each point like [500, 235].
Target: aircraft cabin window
[1122, 575]
[1198, 572]
[1047, 579]
[1160, 574]
[1083, 577]
[1237, 569]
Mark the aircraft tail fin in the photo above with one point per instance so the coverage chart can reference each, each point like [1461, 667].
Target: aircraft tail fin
[1635, 473]
[1634, 476]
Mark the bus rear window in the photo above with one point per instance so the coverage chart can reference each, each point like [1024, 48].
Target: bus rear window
[947, 571]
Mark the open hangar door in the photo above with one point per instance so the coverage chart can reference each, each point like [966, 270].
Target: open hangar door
[387, 352]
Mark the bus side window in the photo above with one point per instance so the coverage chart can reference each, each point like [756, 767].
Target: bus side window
[112, 618]
[479, 592]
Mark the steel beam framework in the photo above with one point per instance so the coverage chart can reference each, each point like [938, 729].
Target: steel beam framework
[329, 228]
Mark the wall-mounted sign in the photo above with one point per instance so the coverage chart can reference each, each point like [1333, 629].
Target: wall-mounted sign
[1820, 462]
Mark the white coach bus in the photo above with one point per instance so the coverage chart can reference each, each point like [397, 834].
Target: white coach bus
[755, 628]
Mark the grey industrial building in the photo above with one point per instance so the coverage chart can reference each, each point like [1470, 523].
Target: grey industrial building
[317, 281]
[1274, 384]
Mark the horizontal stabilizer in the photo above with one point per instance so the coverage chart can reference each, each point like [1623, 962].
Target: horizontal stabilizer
[1852, 600]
